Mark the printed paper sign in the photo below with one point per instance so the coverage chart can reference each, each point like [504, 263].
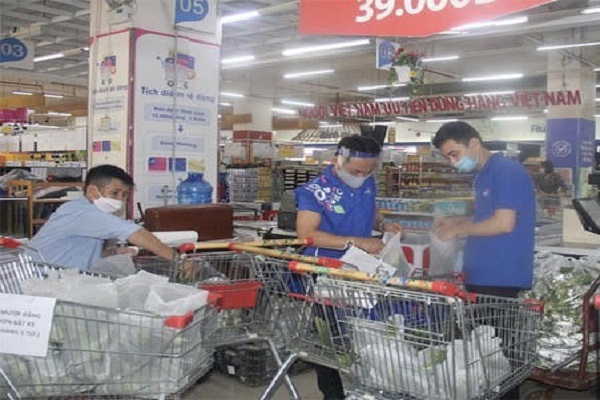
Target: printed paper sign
[25, 323]
[401, 17]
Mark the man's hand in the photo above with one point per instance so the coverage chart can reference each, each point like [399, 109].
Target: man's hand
[392, 227]
[370, 245]
[450, 228]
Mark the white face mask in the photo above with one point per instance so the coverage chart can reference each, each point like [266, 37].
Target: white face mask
[108, 205]
[353, 181]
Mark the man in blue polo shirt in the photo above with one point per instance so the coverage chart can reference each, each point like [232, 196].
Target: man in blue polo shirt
[498, 257]
[337, 209]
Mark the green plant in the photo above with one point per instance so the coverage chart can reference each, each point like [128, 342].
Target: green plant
[412, 60]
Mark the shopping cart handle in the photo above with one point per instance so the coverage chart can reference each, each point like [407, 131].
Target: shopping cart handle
[10, 243]
[179, 321]
[186, 248]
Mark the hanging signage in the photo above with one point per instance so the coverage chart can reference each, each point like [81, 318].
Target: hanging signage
[13, 115]
[199, 15]
[385, 53]
[401, 17]
[437, 104]
[16, 53]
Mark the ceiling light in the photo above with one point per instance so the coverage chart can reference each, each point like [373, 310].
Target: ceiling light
[386, 99]
[385, 123]
[510, 118]
[375, 87]
[232, 60]
[489, 93]
[22, 93]
[323, 47]
[567, 46]
[44, 126]
[59, 114]
[230, 94]
[53, 96]
[593, 10]
[408, 119]
[596, 69]
[297, 103]
[48, 57]
[444, 58]
[301, 74]
[225, 104]
[239, 17]
[545, 111]
[441, 121]
[283, 110]
[503, 22]
[326, 125]
[493, 77]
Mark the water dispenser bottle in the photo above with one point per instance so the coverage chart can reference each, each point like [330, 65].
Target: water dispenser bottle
[194, 190]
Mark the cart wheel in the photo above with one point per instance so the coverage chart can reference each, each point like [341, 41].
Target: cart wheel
[170, 83]
[539, 393]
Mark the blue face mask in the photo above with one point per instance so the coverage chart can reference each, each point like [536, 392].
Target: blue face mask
[466, 164]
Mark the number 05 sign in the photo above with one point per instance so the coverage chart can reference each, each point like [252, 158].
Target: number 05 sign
[401, 17]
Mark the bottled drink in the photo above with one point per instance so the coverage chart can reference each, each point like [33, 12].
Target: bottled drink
[194, 190]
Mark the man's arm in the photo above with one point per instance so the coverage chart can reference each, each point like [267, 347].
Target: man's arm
[307, 225]
[503, 221]
[148, 241]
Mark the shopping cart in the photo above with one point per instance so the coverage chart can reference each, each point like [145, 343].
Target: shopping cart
[579, 371]
[398, 338]
[101, 352]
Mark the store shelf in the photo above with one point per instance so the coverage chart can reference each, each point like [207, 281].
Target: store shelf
[408, 213]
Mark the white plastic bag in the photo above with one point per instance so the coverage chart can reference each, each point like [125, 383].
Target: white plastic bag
[446, 256]
[174, 299]
[115, 266]
[393, 254]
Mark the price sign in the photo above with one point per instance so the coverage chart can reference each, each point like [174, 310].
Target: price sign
[15, 53]
[198, 15]
[401, 17]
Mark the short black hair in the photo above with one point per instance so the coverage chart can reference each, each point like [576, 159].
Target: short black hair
[103, 174]
[547, 166]
[359, 143]
[459, 131]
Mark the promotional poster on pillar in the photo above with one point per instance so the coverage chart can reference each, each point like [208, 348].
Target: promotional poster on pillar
[175, 115]
[109, 101]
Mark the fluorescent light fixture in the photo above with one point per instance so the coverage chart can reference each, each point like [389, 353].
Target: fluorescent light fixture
[20, 93]
[502, 22]
[597, 98]
[375, 87]
[597, 115]
[307, 73]
[489, 93]
[225, 104]
[283, 110]
[511, 118]
[58, 114]
[545, 111]
[233, 60]
[325, 125]
[444, 58]
[441, 121]
[230, 94]
[48, 57]
[297, 103]
[386, 99]
[228, 19]
[493, 77]
[385, 123]
[324, 47]
[53, 96]
[408, 119]
[85, 48]
[567, 46]
[593, 10]
[596, 69]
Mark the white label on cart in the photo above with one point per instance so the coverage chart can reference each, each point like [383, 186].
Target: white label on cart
[25, 323]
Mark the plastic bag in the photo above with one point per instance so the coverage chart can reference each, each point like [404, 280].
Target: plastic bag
[174, 299]
[446, 256]
[116, 266]
[393, 254]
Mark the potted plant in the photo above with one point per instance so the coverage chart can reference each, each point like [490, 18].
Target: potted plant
[407, 67]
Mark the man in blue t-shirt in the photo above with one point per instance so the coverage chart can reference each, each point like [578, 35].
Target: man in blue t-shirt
[498, 257]
[337, 209]
[75, 234]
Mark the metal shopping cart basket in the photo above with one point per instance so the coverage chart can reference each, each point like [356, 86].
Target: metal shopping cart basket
[101, 352]
[394, 338]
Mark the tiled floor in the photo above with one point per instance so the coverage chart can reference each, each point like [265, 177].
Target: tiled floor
[218, 386]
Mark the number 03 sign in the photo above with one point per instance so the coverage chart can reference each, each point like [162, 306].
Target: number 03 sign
[401, 17]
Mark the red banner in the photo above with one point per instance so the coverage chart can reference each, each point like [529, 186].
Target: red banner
[401, 17]
[13, 115]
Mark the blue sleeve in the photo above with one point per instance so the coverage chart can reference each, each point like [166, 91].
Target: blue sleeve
[101, 225]
[508, 187]
[307, 201]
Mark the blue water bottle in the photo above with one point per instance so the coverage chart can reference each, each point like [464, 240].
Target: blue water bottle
[194, 190]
